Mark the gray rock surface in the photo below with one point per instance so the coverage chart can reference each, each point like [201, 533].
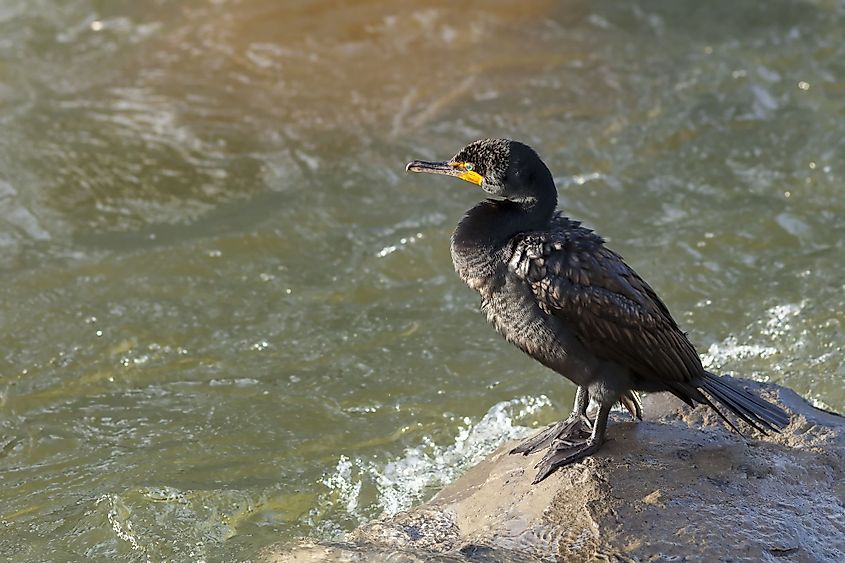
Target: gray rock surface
[677, 486]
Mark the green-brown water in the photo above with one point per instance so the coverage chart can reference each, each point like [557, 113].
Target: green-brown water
[229, 318]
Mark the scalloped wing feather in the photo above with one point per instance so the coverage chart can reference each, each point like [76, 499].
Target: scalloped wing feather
[612, 311]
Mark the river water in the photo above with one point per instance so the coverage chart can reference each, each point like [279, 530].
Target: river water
[229, 318]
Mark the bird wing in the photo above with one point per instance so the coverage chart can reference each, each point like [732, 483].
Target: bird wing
[614, 313]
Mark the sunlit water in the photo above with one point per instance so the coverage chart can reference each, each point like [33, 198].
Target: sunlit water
[229, 318]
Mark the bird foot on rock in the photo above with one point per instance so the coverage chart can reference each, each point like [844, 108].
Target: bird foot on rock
[564, 453]
[571, 431]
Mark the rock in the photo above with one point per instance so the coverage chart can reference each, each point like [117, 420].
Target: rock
[679, 485]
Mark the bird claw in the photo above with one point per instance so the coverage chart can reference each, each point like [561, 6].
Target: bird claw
[575, 429]
[563, 453]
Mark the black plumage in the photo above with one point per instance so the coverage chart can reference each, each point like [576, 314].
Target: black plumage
[551, 287]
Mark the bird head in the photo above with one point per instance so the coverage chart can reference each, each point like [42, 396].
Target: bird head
[502, 167]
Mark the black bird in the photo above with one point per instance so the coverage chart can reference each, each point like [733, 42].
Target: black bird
[552, 288]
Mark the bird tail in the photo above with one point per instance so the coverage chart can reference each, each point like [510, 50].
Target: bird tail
[758, 413]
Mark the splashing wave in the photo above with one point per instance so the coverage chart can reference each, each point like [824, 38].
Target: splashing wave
[405, 480]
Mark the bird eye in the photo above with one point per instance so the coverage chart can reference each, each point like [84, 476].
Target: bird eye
[469, 166]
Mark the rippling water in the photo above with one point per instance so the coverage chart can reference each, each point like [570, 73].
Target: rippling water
[229, 318]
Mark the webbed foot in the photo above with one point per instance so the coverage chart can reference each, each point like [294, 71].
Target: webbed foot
[564, 453]
[575, 429]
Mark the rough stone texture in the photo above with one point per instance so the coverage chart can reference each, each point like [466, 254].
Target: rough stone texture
[678, 485]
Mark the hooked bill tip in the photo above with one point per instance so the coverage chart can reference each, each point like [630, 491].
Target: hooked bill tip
[446, 168]
[418, 166]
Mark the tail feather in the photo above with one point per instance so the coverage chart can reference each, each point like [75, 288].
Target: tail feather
[738, 410]
[766, 406]
[758, 413]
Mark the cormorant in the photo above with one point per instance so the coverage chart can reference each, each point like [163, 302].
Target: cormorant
[551, 287]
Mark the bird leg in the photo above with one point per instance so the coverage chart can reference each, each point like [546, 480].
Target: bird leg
[564, 452]
[575, 427]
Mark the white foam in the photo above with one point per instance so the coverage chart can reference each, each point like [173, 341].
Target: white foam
[342, 483]
[780, 317]
[405, 480]
[766, 338]
[721, 353]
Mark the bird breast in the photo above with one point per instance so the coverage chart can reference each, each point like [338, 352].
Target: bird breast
[511, 307]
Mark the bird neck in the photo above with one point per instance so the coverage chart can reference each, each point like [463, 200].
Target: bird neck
[487, 228]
